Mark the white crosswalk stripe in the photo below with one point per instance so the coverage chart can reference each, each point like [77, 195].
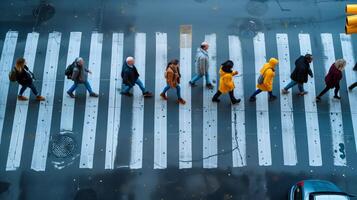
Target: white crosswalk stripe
[237, 128]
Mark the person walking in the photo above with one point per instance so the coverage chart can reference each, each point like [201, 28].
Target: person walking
[79, 76]
[353, 85]
[265, 81]
[300, 74]
[130, 77]
[226, 83]
[25, 78]
[333, 78]
[172, 76]
[202, 66]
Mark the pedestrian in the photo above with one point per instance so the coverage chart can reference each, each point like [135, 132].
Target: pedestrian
[202, 66]
[265, 80]
[226, 83]
[130, 77]
[25, 78]
[300, 74]
[80, 76]
[355, 83]
[333, 78]
[172, 76]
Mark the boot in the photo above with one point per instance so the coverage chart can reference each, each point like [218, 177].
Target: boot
[40, 98]
[272, 98]
[163, 96]
[22, 98]
[302, 93]
[147, 94]
[252, 99]
[181, 101]
[128, 94]
[70, 94]
[192, 84]
[337, 97]
[283, 91]
[94, 94]
[209, 86]
[318, 99]
[215, 100]
[215, 97]
[235, 101]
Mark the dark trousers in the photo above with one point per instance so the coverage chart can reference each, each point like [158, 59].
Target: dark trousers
[31, 86]
[231, 95]
[337, 88]
[353, 86]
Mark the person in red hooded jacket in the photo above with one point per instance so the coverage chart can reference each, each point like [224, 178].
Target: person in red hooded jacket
[333, 78]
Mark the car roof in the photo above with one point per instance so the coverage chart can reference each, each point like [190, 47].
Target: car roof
[320, 186]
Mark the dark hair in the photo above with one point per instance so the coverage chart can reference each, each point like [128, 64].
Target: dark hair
[228, 64]
[172, 62]
[308, 56]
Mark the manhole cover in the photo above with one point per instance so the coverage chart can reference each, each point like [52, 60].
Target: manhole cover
[250, 27]
[43, 12]
[63, 146]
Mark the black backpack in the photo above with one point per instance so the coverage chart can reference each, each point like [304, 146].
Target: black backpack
[69, 70]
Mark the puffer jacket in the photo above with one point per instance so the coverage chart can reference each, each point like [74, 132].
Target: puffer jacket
[226, 83]
[129, 74]
[268, 71]
[80, 74]
[333, 77]
[202, 61]
[25, 77]
[172, 76]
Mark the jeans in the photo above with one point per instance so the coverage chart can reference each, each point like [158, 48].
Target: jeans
[75, 85]
[258, 91]
[199, 76]
[126, 88]
[31, 86]
[337, 88]
[178, 90]
[293, 83]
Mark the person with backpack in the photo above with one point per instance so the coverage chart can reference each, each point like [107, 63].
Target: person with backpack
[79, 73]
[226, 83]
[265, 80]
[333, 78]
[300, 74]
[202, 65]
[25, 78]
[172, 76]
[130, 77]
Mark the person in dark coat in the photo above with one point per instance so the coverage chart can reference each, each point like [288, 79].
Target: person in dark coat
[300, 74]
[25, 78]
[355, 83]
[130, 77]
[79, 76]
[333, 78]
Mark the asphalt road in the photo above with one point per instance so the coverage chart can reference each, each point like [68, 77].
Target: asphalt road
[262, 175]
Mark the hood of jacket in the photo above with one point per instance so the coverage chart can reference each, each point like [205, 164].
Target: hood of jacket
[271, 64]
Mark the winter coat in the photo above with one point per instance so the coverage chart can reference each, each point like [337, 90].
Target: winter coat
[333, 77]
[301, 71]
[25, 77]
[173, 76]
[80, 74]
[129, 74]
[202, 61]
[226, 83]
[268, 71]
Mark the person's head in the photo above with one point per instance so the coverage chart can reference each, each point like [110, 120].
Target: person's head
[273, 62]
[20, 63]
[80, 61]
[340, 64]
[204, 46]
[308, 57]
[130, 60]
[174, 62]
[229, 64]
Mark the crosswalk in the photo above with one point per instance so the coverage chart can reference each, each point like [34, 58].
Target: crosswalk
[238, 131]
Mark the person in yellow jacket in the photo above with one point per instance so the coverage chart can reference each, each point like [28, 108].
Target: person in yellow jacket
[267, 74]
[226, 83]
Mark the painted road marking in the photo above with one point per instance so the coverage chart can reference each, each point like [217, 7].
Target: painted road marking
[40, 152]
[286, 102]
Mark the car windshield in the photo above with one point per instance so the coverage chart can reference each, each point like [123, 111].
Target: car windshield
[331, 197]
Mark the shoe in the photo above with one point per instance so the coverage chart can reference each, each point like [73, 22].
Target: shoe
[70, 94]
[22, 98]
[337, 97]
[216, 100]
[272, 98]
[147, 94]
[302, 93]
[283, 91]
[40, 98]
[209, 86]
[163, 96]
[128, 94]
[235, 101]
[252, 99]
[181, 101]
[350, 88]
[94, 95]
[192, 84]
[318, 99]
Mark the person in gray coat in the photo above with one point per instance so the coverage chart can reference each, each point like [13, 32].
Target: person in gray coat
[79, 76]
[202, 65]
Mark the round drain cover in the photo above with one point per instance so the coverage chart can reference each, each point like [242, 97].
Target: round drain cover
[44, 12]
[63, 146]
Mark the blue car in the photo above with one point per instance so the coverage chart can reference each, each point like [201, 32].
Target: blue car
[317, 190]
